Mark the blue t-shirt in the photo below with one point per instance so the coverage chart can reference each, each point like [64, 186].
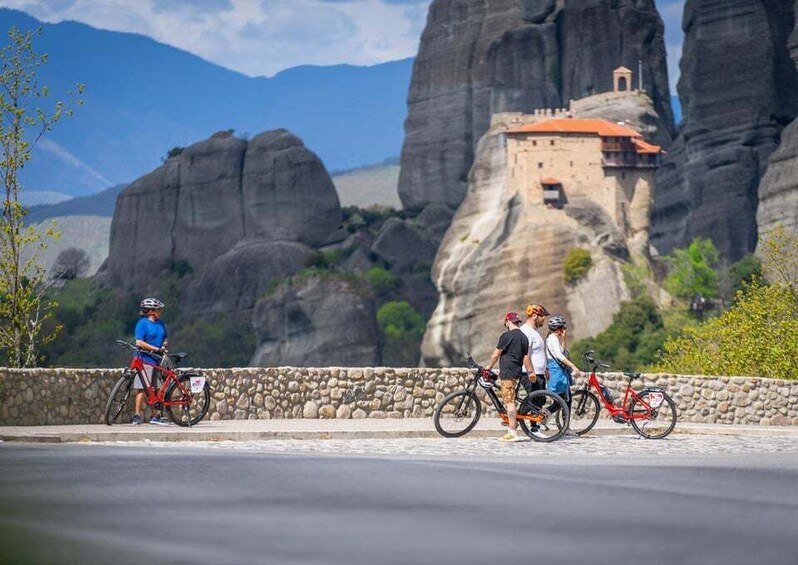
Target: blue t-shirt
[153, 333]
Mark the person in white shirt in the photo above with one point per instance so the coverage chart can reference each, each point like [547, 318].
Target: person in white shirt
[536, 373]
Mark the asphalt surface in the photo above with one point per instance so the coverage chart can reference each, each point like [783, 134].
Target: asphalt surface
[140, 504]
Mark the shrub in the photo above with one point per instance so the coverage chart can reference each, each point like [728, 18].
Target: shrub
[174, 152]
[180, 267]
[633, 340]
[402, 328]
[382, 281]
[317, 261]
[577, 265]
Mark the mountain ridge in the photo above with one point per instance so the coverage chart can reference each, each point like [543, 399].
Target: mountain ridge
[144, 97]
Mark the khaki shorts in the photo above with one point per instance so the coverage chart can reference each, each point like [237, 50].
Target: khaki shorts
[148, 371]
[508, 390]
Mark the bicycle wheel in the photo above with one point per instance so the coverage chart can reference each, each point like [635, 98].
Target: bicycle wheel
[544, 416]
[660, 419]
[186, 408]
[457, 414]
[118, 397]
[585, 410]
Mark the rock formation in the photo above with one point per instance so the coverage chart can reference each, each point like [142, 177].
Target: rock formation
[505, 248]
[738, 89]
[479, 58]
[778, 191]
[237, 220]
[316, 323]
[219, 199]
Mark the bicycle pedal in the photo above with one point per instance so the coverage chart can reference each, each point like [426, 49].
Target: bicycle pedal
[620, 420]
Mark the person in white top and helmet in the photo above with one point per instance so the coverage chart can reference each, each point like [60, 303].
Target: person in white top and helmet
[536, 373]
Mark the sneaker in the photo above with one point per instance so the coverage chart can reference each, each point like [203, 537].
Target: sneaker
[570, 434]
[136, 420]
[510, 436]
[156, 421]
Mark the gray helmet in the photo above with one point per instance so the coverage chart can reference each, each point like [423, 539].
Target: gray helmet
[557, 322]
[151, 304]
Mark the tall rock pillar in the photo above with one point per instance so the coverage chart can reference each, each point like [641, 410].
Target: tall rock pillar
[738, 88]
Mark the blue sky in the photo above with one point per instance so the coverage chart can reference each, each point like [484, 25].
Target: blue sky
[262, 37]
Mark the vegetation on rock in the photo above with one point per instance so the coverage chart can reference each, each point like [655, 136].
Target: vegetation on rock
[402, 328]
[577, 265]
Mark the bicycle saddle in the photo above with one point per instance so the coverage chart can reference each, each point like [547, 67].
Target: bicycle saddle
[632, 376]
[178, 356]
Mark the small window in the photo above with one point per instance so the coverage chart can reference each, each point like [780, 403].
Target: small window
[534, 142]
[551, 142]
[540, 165]
[572, 163]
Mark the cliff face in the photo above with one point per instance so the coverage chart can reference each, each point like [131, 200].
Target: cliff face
[215, 200]
[316, 323]
[738, 89]
[505, 248]
[479, 58]
[778, 191]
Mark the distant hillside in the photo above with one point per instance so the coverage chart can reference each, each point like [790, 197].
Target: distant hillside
[100, 204]
[144, 97]
[374, 185]
[90, 233]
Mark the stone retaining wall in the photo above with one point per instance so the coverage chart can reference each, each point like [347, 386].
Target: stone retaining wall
[78, 396]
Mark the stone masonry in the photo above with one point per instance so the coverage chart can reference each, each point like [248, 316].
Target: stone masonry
[78, 396]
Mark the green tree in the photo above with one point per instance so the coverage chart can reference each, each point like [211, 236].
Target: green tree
[402, 328]
[25, 116]
[633, 340]
[758, 335]
[740, 274]
[693, 270]
[577, 265]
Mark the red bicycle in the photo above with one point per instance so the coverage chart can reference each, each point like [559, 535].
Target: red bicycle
[186, 396]
[651, 412]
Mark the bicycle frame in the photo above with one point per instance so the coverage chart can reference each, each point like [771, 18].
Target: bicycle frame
[168, 376]
[618, 412]
[496, 401]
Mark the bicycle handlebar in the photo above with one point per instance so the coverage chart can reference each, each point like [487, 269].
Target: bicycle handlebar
[138, 349]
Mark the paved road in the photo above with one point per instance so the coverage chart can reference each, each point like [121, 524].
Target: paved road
[247, 503]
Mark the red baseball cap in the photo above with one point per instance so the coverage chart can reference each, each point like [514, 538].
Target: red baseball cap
[512, 317]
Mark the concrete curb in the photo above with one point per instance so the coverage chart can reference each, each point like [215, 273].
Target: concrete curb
[267, 430]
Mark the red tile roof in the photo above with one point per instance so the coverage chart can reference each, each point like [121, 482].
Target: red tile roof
[569, 125]
[644, 147]
[602, 128]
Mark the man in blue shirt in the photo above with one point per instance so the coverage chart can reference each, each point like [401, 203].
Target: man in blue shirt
[150, 336]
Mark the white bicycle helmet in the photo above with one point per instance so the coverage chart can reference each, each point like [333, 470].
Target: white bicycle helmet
[557, 322]
[151, 304]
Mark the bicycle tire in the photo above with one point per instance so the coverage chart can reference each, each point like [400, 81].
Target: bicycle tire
[669, 422]
[187, 415]
[552, 426]
[457, 407]
[585, 408]
[118, 398]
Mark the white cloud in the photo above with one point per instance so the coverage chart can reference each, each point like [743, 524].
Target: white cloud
[256, 37]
